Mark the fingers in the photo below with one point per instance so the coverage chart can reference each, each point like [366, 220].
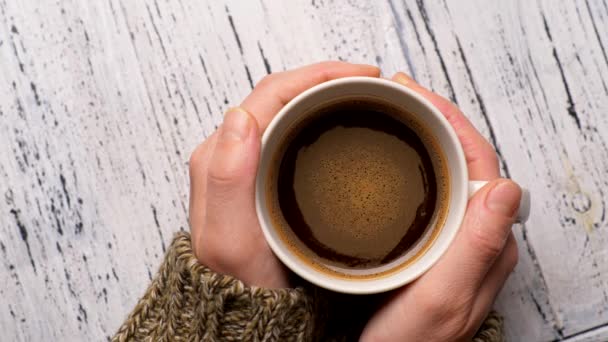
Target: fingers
[231, 174]
[481, 158]
[495, 280]
[276, 90]
[199, 160]
[481, 239]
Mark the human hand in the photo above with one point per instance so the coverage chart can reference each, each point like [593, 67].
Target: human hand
[226, 235]
[451, 300]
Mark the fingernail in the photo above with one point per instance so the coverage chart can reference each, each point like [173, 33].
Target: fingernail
[504, 198]
[237, 124]
[403, 78]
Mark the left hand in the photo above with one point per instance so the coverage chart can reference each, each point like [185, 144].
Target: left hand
[451, 300]
[226, 235]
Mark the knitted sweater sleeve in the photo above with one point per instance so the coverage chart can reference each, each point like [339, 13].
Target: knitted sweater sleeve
[186, 301]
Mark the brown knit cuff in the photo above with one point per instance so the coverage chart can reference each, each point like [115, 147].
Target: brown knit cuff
[491, 330]
[187, 301]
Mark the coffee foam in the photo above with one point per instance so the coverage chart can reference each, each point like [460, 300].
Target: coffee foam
[363, 207]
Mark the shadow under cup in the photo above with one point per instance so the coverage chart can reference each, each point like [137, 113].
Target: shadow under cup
[448, 164]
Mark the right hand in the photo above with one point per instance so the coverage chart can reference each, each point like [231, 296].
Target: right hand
[451, 300]
[226, 235]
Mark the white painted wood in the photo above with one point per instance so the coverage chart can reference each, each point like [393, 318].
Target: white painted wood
[595, 335]
[101, 103]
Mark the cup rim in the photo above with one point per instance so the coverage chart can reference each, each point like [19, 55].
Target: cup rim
[358, 286]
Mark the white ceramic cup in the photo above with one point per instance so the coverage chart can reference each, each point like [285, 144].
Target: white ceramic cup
[460, 187]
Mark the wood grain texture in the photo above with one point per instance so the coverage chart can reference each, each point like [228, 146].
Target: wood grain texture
[593, 335]
[101, 103]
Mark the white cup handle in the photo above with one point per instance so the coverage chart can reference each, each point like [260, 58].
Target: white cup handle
[524, 205]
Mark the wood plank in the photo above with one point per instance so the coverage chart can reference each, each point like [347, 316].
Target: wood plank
[599, 334]
[102, 102]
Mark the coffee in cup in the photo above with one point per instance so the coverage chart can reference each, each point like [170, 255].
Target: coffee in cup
[357, 184]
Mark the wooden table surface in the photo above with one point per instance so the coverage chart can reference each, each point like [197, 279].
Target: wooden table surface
[101, 103]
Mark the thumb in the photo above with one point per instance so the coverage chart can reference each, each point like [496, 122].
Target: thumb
[232, 171]
[480, 240]
[484, 232]
[489, 218]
